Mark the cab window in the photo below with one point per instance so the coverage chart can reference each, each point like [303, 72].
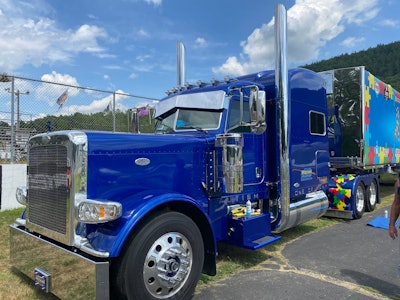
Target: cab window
[317, 123]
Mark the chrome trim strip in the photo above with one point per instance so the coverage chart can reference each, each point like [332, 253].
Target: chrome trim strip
[84, 245]
[362, 112]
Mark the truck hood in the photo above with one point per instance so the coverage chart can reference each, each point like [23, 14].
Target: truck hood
[121, 165]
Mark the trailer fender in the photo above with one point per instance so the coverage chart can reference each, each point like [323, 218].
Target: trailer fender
[340, 191]
[354, 192]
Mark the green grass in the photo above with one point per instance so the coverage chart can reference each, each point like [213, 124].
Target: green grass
[230, 259]
[12, 285]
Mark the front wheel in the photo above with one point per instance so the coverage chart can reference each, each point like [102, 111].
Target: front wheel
[164, 259]
[359, 201]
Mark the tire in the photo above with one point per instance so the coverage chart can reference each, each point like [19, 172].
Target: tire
[163, 260]
[359, 201]
[371, 196]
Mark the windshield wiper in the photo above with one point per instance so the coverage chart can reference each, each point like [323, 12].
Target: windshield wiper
[198, 129]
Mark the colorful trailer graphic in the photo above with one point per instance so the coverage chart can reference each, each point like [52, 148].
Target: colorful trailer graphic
[381, 122]
[364, 118]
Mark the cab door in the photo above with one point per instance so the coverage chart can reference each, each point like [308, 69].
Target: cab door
[253, 144]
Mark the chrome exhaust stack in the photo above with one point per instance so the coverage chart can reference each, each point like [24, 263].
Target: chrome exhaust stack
[281, 81]
[180, 64]
[314, 204]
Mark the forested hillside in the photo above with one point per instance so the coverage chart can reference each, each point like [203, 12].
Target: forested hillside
[383, 61]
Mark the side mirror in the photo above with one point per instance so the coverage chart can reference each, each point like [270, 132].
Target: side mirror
[257, 111]
[134, 121]
[140, 120]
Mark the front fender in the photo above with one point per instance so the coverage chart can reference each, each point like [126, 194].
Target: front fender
[150, 205]
[112, 236]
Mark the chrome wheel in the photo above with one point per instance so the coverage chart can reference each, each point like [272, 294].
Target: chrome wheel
[372, 196]
[167, 265]
[359, 201]
[163, 259]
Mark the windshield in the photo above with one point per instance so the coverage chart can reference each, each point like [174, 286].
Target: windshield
[189, 120]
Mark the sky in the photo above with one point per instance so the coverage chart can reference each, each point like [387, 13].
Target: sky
[130, 45]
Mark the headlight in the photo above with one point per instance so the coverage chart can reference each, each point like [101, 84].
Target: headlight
[20, 194]
[91, 211]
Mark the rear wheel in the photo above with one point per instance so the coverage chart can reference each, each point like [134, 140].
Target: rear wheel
[359, 201]
[163, 261]
[372, 196]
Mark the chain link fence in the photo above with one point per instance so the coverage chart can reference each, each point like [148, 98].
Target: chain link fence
[29, 107]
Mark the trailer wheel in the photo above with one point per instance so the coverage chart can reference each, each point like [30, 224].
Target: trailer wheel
[164, 259]
[359, 201]
[371, 199]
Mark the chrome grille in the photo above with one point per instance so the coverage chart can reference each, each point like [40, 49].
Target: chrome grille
[48, 187]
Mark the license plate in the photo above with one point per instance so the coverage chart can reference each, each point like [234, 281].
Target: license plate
[42, 280]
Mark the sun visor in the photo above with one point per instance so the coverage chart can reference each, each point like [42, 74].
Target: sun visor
[204, 100]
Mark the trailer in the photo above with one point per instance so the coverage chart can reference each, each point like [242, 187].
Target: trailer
[364, 140]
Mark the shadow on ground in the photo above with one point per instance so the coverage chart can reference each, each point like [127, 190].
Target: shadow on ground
[390, 290]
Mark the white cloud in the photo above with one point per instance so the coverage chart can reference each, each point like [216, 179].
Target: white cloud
[154, 2]
[144, 68]
[50, 92]
[133, 76]
[352, 41]
[113, 67]
[38, 40]
[143, 57]
[60, 78]
[85, 101]
[96, 105]
[85, 39]
[311, 24]
[200, 42]
[231, 66]
[143, 33]
[390, 23]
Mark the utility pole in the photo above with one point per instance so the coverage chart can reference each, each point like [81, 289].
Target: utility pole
[18, 93]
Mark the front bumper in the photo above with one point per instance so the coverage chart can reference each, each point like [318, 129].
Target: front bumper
[56, 270]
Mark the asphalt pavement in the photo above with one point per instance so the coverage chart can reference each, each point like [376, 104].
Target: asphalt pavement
[349, 260]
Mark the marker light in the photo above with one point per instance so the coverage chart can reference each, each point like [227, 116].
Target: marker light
[228, 79]
[91, 211]
[214, 82]
[188, 85]
[20, 194]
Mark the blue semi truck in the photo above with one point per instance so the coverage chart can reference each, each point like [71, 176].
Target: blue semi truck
[138, 216]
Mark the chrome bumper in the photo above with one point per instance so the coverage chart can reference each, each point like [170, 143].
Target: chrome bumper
[56, 270]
